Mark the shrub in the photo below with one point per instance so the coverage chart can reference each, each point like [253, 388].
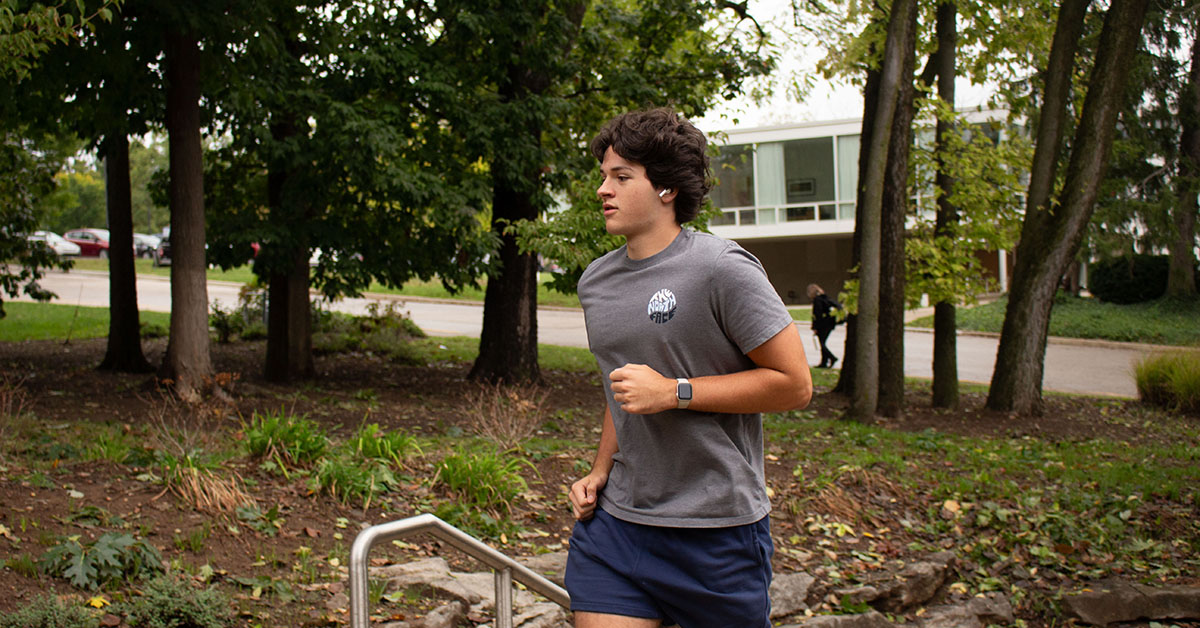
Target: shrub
[352, 479]
[49, 612]
[168, 602]
[1171, 380]
[395, 446]
[111, 558]
[490, 482]
[226, 322]
[1129, 279]
[508, 415]
[285, 438]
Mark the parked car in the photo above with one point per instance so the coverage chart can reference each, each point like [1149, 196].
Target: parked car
[57, 243]
[92, 242]
[162, 254]
[145, 244]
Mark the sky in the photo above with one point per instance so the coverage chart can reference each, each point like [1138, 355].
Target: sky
[826, 101]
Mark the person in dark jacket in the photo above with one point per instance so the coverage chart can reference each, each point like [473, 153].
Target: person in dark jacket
[823, 321]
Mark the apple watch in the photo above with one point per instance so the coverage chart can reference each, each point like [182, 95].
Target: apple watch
[683, 393]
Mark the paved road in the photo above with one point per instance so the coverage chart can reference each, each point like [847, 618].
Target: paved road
[1071, 365]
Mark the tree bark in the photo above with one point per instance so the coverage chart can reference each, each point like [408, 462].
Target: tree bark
[508, 341]
[945, 324]
[289, 313]
[124, 352]
[1048, 247]
[188, 363]
[892, 269]
[864, 402]
[289, 323]
[1181, 277]
[845, 384]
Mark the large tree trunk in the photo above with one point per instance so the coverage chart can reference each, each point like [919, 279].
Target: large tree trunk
[508, 342]
[508, 349]
[289, 318]
[289, 323]
[892, 271]
[945, 324]
[1181, 278]
[187, 363]
[864, 402]
[124, 352]
[1046, 250]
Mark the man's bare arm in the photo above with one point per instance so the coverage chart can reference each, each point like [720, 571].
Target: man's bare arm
[780, 381]
[586, 491]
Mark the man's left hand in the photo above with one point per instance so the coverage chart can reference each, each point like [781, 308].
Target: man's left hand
[642, 390]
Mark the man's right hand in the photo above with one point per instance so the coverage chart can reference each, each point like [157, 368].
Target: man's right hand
[585, 493]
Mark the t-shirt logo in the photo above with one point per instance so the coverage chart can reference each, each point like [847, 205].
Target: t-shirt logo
[662, 306]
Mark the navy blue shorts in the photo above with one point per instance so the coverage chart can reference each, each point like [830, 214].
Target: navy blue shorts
[694, 577]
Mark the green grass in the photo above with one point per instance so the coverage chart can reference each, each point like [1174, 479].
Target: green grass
[49, 321]
[1165, 321]
[241, 274]
[462, 349]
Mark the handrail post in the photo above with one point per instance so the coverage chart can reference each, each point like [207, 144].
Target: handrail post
[504, 598]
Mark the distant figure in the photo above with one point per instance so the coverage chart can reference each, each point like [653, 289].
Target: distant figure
[823, 321]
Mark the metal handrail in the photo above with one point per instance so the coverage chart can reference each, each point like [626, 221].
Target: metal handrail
[506, 568]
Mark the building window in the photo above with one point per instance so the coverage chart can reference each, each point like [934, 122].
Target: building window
[734, 169]
[808, 170]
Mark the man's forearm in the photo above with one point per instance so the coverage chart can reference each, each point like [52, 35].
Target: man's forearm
[608, 447]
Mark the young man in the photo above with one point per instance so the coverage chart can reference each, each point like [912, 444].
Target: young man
[693, 342]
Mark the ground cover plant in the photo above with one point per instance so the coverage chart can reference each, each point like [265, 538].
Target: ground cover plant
[1165, 321]
[259, 501]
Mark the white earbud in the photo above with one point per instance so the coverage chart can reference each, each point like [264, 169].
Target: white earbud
[663, 192]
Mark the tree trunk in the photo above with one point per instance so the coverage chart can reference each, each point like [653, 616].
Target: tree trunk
[1181, 278]
[289, 313]
[289, 323]
[508, 342]
[945, 325]
[187, 363]
[124, 352]
[891, 250]
[508, 350]
[845, 384]
[864, 402]
[1045, 251]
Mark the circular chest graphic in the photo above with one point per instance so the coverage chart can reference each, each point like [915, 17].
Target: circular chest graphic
[662, 306]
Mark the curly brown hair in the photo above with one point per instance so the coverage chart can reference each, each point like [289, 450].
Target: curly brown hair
[671, 149]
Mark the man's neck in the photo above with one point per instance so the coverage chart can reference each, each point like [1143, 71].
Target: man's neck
[651, 243]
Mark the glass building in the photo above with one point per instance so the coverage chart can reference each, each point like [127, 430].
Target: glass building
[787, 195]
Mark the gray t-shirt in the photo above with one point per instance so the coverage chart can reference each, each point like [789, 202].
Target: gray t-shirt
[694, 309]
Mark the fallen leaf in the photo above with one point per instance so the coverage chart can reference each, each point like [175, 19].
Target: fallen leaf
[312, 532]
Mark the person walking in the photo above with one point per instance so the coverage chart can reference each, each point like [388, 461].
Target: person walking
[823, 322]
[693, 343]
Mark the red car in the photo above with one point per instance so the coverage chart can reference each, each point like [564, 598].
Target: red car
[92, 242]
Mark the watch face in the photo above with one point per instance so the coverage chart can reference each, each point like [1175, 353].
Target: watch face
[684, 390]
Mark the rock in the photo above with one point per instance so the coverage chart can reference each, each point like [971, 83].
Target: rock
[1114, 600]
[789, 593]
[975, 613]
[338, 602]
[873, 619]
[447, 616]
[552, 566]
[543, 615]
[916, 584]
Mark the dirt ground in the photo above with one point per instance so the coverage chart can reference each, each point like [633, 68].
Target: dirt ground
[66, 395]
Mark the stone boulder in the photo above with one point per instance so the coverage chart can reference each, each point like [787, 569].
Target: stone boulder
[1112, 601]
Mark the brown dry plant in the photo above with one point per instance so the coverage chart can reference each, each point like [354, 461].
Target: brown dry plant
[208, 492]
[507, 415]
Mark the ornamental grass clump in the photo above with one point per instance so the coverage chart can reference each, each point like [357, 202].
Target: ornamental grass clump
[1170, 380]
